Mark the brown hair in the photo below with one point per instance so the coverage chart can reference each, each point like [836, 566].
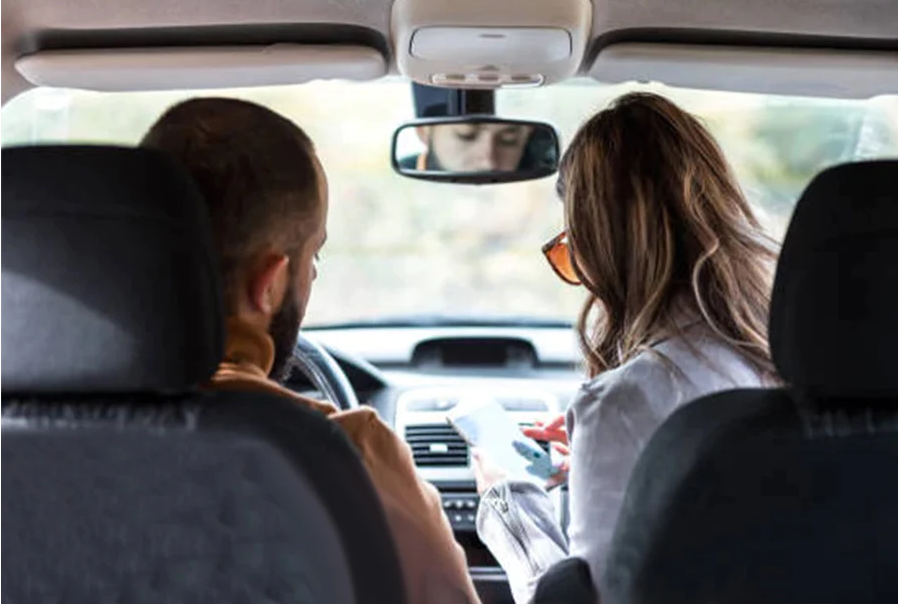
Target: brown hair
[659, 227]
[256, 170]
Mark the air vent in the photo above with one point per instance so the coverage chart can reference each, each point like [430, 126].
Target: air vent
[436, 445]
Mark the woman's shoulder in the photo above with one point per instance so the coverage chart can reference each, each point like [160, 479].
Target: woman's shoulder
[640, 371]
[666, 375]
[707, 362]
[643, 379]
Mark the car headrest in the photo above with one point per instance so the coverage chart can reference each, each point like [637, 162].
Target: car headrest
[834, 312]
[109, 278]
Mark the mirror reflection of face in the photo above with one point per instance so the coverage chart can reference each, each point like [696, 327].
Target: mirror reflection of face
[482, 147]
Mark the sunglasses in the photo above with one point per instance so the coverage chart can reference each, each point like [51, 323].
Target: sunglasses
[558, 253]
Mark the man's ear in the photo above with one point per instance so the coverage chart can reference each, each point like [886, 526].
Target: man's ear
[269, 283]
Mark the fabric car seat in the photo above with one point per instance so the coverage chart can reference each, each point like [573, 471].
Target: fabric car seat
[787, 494]
[124, 481]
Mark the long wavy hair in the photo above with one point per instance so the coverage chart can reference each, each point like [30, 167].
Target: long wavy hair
[659, 229]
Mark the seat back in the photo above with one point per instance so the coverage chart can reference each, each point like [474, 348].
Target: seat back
[787, 495]
[123, 480]
[566, 582]
[99, 511]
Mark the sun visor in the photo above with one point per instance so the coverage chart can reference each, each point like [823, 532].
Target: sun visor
[787, 71]
[174, 68]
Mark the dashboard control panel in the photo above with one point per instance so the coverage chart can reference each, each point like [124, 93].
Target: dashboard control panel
[461, 509]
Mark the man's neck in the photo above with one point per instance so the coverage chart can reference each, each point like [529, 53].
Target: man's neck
[248, 347]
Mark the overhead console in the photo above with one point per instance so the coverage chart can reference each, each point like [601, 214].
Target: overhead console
[475, 44]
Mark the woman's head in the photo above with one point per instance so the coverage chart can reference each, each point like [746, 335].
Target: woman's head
[476, 147]
[660, 231]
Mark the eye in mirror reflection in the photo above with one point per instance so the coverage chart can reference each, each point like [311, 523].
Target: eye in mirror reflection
[475, 150]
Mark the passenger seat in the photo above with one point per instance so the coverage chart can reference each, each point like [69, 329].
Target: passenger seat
[788, 494]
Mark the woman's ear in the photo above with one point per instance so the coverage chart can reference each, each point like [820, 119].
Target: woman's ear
[268, 283]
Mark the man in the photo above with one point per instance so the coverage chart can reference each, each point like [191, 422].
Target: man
[267, 197]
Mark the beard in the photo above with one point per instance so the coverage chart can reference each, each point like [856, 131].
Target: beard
[284, 331]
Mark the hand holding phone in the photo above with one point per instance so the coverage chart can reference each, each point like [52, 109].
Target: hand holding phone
[485, 424]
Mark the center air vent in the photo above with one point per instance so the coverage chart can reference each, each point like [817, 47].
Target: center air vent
[439, 445]
[436, 445]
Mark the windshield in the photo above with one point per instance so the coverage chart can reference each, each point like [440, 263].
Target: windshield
[403, 249]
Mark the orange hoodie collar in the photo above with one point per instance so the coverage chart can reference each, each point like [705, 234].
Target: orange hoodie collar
[249, 355]
[248, 349]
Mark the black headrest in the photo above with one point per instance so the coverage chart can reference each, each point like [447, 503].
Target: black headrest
[109, 278]
[834, 313]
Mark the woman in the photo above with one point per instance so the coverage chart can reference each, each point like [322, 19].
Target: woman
[677, 271]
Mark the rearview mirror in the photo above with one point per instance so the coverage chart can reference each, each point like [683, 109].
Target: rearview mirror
[475, 149]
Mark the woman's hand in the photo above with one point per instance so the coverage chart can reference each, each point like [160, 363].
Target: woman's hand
[554, 431]
[486, 474]
[564, 466]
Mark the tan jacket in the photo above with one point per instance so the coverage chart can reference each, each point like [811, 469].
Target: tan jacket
[433, 564]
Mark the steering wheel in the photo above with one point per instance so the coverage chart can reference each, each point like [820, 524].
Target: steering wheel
[324, 372]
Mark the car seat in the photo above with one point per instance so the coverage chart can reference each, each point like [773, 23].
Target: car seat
[787, 494]
[123, 480]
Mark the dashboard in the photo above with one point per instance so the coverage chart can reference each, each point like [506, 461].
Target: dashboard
[413, 376]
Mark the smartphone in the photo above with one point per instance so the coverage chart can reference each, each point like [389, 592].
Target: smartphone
[485, 424]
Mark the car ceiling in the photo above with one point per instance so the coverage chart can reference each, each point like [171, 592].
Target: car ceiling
[30, 25]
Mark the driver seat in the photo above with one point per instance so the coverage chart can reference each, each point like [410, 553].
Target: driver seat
[122, 480]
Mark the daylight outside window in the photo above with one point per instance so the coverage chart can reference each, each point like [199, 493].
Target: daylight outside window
[400, 247]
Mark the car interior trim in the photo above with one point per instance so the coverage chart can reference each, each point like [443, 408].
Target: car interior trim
[192, 68]
[802, 71]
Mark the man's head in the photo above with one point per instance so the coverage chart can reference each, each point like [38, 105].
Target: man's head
[267, 198]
